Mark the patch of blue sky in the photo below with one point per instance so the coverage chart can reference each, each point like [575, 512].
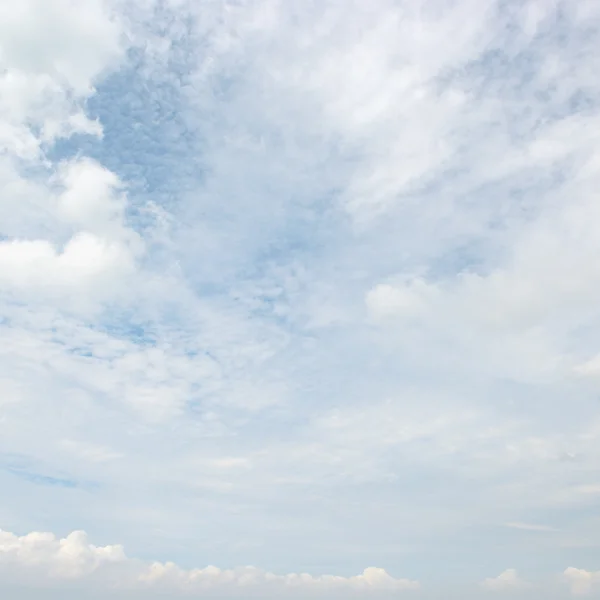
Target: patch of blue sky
[39, 479]
[23, 467]
[127, 326]
[145, 142]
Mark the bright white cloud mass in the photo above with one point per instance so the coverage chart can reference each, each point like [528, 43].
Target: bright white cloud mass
[307, 286]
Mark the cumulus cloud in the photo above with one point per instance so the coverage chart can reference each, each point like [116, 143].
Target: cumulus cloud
[51, 56]
[98, 255]
[38, 263]
[507, 580]
[89, 199]
[70, 557]
[582, 582]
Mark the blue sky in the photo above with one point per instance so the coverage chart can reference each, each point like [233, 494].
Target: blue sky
[311, 287]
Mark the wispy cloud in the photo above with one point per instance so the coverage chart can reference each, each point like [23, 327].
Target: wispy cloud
[530, 527]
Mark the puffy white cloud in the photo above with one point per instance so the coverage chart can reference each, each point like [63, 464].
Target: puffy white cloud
[51, 55]
[54, 246]
[506, 581]
[371, 581]
[42, 553]
[38, 264]
[582, 582]
[90, 199]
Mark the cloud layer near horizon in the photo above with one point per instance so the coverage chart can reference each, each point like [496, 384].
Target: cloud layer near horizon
[43, 560]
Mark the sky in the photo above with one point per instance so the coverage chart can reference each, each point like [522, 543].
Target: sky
[299, 299]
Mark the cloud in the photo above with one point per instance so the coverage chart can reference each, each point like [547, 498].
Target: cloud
[37, 263]
[94, 263]
[41, 558]
[68, 558]
[89, 198]
[590, 368]
[50, 62]
[581, 581]
[407, 300]
[275, 279]
[507, 580]
[51, 57]
[529, 527]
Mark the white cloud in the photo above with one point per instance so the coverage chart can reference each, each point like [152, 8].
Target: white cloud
[90, 199]
[582, 582]
[408, 300]
[37, 263]
[70, 557]
[51, 55]
[42, 557]
[507, 580]
[73, 42]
